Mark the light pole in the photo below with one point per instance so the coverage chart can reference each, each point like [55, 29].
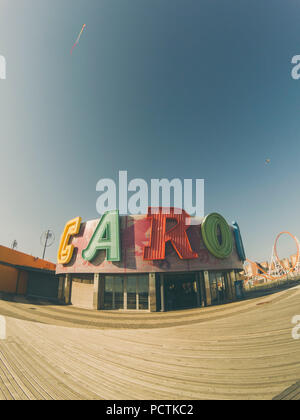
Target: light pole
[44, 252]
[47, 239]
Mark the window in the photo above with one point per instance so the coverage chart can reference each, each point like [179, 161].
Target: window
[119, 293]
[114, 293]
[143, 290]
[131, 292]
[108, 294]
[126, 292]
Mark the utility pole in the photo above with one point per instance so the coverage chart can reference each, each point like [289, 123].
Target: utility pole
[44, 252]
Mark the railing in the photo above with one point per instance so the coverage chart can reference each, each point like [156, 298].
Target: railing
[288, 281]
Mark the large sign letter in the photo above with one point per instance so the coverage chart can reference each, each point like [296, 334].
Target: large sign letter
[106, 236]
[65, 251]
[217, 235]
[176, 235]
[239, 242]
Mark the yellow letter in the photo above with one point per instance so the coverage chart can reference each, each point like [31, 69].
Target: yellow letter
[65, 251]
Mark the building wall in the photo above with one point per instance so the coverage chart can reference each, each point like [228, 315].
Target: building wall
[23, 283]
[82, 295]
[8, 279]
[82, 291]
[11, 278]
[14, 279]
[42, 285]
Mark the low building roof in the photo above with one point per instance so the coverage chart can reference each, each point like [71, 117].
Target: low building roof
[20, 260]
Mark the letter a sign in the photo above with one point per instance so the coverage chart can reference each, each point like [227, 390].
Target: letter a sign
[106, 237]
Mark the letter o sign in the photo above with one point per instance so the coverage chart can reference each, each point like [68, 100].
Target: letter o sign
[212, 224]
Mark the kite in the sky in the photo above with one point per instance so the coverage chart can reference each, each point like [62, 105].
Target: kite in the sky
[78, 38]
[267, 161]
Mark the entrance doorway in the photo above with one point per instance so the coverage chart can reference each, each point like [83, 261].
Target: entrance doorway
[127, 292]
[181, 291]
[114, 293]
[218, 287]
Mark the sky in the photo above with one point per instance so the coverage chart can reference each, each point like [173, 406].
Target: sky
[160, 88]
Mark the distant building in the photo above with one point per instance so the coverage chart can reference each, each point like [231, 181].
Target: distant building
[23, 274]
[285, 262]
[293, 259]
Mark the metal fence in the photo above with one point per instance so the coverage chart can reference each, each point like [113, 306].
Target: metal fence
[288, 281]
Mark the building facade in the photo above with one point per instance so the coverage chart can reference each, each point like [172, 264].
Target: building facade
[156, 262]
[23, 274]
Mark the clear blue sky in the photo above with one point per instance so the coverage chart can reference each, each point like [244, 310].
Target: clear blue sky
[161, 88]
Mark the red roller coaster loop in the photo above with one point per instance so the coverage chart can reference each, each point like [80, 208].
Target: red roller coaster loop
[269, 276]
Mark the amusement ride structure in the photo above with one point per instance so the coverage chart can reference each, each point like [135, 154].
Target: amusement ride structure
[276, 269]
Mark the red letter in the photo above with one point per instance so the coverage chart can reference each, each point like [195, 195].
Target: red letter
[177, 235]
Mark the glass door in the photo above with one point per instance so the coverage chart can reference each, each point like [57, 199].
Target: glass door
[131, 292]
[143, 290]
[119, 293]
[217, 287]
[213, 288]
[114, 293]
[108, 293]
[221, 287]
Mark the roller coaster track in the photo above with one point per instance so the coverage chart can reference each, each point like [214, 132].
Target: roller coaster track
[276, 261]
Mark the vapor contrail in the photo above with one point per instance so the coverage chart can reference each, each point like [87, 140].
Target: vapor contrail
[78, 38]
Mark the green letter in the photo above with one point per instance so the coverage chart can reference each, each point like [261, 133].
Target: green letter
[219, 248]
[106, 236]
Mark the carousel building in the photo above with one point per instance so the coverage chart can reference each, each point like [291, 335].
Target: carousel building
[157, 262]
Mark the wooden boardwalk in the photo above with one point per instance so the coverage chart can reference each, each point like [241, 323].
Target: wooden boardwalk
[292, 393]
[242, 350]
